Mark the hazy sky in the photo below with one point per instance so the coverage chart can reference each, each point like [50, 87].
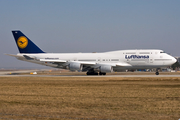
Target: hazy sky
[89, 26]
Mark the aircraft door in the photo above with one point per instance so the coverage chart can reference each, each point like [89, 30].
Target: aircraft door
[99, 60]
[128, 60]
[151, 60]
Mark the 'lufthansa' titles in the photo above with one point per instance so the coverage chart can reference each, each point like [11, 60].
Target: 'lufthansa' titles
[137, 57]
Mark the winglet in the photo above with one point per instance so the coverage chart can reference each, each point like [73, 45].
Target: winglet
[25, 45]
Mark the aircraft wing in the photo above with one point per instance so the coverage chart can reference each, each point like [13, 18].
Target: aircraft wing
[87, 65]
[51, 60]
[123, 65]
[64, 61]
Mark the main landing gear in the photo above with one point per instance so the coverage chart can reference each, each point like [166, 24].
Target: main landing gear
[102, 73]
[92, 73]
[95, 73]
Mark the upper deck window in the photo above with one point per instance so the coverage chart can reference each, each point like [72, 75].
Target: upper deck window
[144, 53]
[130, 53]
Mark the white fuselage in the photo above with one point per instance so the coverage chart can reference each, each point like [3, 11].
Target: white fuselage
[119, 60]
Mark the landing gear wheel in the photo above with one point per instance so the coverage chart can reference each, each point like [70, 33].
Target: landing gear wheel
[157, 73]
[95, 73]
[91, 73]
[102, 73]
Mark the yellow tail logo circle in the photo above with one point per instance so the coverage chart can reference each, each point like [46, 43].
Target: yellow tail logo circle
[22, 42]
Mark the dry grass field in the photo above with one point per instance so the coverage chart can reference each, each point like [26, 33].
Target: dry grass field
[89, 98]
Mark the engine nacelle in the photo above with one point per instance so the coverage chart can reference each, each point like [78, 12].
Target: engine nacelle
[106, 68]
[75, 66]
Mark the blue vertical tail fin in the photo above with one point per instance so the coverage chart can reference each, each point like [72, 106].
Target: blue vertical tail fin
[24, 44]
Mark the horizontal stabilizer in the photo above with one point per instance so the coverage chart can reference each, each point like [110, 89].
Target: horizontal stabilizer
[14, 55]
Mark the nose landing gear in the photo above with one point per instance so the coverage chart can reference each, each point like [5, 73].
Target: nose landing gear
[157, 71]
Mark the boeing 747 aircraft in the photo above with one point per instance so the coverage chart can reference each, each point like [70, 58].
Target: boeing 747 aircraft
[92, 63]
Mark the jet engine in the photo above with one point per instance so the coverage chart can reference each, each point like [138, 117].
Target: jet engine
[106, 68]
[75, 66]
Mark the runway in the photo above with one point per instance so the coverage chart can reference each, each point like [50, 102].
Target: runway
[122, 76]
[48, 73]
[19, 71]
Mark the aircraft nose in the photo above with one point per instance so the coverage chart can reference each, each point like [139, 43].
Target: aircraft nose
[174, 60]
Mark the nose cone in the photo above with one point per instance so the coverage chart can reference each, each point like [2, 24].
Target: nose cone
[174, 60]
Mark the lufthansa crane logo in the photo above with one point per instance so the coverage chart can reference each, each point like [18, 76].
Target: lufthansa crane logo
[22, 42]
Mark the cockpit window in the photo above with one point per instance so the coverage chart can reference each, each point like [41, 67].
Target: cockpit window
[162, 52]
